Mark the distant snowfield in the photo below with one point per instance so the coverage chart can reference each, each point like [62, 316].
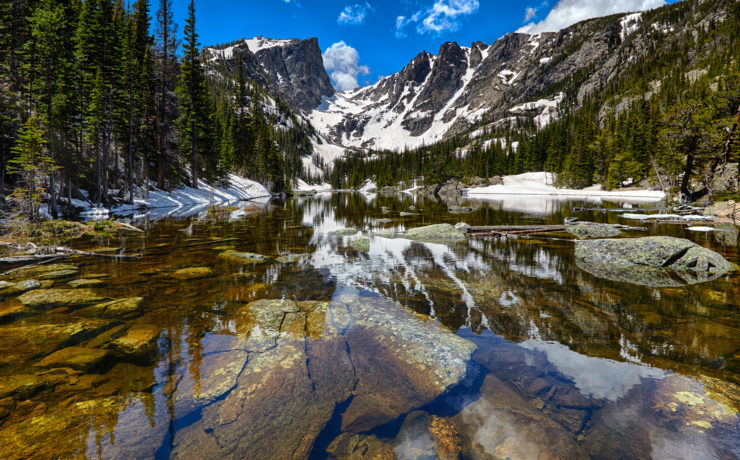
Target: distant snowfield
[540, 183]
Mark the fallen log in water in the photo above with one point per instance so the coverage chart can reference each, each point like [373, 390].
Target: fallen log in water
[503, 230]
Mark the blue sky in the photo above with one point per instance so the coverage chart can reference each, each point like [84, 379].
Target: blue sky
[368, 39]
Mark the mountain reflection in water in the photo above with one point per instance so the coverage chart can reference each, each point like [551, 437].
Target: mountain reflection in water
[489, 348]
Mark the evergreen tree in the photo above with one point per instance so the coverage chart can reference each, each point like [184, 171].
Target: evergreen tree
[33, 165]
[166, 31]
[192, 97]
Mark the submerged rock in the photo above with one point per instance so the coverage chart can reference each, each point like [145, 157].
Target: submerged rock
[502, 424]
[361, 244]
[292, 258]
[593, 231]
[344, 232]
[245, 257]
[408, 214]
[48, 299]
[20, 287]
[59, 274]
[192, 273]
[304, 359]
[647, 261]
[79, 358]
[437, 232]
[455, 209]
[114, 308]
[360, 447]
[140, 341]
[84, 282]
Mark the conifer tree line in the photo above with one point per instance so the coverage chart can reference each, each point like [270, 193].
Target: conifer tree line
[117, 109]
[658, 124]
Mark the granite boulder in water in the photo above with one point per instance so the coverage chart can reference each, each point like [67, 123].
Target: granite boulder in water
[657, 261]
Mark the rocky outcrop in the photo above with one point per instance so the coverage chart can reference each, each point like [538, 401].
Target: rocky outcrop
[650, 261]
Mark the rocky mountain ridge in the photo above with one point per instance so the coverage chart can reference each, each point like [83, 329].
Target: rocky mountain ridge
[463, 89]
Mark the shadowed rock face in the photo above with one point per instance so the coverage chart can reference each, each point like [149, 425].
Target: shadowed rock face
[294, 69]
[651, 261]
[298, 361]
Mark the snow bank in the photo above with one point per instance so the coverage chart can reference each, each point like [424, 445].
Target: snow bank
[664, 217]
[540, 183]
[181, 202]
[302, 186]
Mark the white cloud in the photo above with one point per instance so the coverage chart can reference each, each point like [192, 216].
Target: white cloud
[343, 63]
[569, 12]
[530, 13]
[354, 14]
[442, 16]
[445, 15]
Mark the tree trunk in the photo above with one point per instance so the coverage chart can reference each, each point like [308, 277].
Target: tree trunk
[686, 180]
[194, 166]
[130, 163]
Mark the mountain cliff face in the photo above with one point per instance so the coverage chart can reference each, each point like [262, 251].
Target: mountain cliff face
[294, 69]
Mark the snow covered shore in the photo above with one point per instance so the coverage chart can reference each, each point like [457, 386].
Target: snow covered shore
[540, 183]
[184, 200]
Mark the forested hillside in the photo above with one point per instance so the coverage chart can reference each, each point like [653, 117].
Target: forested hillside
[664, 121]
[113, 109]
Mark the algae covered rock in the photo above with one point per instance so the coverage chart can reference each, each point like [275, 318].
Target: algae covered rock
[48, 299]
[455, 209]
[349, 231]
[651, 261]
[437, 232]
[594, 231]
[9, 289]
[361, 244]
[245, 257]
[192, 273]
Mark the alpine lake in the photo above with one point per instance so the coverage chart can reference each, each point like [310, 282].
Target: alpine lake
[258, 333]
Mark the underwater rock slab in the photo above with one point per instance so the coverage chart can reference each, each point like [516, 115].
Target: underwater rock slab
[305, 359]
[651, 261]
[78, 358]
[192, 273]
[501, 424]
[48, 299]
[114, 308]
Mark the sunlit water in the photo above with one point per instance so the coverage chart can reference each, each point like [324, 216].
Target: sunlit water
[566, 365]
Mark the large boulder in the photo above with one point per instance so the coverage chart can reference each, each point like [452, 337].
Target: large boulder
[437, 232]
[724, 210]
[651, 261]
